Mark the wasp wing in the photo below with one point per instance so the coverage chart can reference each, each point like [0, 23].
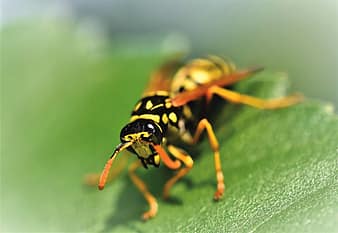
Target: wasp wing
[161, 78]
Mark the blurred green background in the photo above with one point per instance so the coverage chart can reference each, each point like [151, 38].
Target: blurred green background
[297, 37]
[71, 70]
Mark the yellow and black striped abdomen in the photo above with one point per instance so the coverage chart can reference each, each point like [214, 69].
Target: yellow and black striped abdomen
[200, 71]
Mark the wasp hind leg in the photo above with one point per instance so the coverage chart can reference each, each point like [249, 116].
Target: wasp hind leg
[204, 124]
[253, 101]
[188, 162]
[153, 206]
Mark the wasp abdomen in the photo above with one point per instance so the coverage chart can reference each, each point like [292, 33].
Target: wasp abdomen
[199, 72]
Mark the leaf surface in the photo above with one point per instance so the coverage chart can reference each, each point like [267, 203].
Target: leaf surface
[65, 97]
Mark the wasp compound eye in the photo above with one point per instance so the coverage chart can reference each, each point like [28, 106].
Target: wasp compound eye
[155, 133]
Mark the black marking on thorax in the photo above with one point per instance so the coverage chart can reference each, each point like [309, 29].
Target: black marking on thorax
[158, 108]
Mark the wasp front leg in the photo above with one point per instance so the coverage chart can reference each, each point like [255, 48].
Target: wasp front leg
[204, 124]
[188, 162]
[153, 206]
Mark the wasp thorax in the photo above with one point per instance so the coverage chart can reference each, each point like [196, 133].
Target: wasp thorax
[142, 130]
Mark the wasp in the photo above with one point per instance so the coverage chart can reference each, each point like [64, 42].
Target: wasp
[171, 112]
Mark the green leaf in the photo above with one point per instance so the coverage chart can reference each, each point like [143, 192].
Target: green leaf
[65, 97]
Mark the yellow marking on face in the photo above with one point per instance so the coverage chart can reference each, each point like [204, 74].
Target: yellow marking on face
[165, 118]
[149, 105]
[135, 136]
[173, 117]
[152, 117]
[142, 149]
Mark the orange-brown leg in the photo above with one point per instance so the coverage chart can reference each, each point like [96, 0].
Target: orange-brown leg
[172, 164]
[188, 162]
[153, 206]
[253, 101]
[205, 125]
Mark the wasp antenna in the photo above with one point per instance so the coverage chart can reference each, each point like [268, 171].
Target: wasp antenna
[105, 172]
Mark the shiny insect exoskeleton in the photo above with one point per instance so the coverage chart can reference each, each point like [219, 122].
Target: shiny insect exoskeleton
[170, 112]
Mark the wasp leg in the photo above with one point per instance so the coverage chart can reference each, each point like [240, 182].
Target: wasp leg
[205, 125]
[153, 206]
[188, 162]
[172, 164]
[253, 101]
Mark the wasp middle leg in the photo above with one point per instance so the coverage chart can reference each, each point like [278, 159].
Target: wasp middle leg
[204, 124]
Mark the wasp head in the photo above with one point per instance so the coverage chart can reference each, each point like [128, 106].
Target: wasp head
[143, 134]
